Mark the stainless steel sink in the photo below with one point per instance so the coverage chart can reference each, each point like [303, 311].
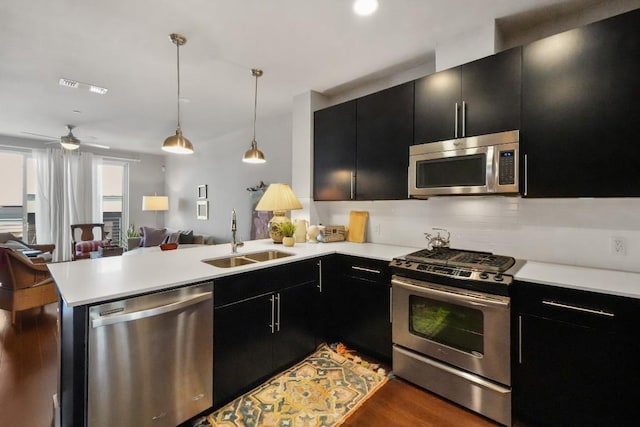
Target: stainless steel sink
[244, 259]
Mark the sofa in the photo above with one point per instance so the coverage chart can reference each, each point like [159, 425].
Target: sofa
[151, 237]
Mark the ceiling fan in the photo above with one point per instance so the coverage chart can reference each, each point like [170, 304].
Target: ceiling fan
[69, 141]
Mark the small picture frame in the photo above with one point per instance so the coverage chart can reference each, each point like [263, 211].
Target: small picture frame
[202, 191]
[202, 209]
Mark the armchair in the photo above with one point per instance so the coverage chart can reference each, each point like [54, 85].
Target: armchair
[23, 284]
[11, 241]
[86, 238]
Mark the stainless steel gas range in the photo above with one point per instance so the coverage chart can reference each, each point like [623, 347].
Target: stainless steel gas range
[451, 326]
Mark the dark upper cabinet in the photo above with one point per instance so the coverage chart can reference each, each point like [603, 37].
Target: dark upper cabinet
[361, 147]
[334, 152]
[477, 98]
[580, 111]
[384, 134]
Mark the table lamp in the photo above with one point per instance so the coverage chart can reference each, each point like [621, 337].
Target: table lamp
[156, 204]
[278, 198]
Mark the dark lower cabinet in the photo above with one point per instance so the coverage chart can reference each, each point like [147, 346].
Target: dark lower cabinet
[580, 110]
[242, 347]
[574, 357]
[360, 303]
[264, 321]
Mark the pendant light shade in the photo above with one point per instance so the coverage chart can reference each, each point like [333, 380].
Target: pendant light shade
[177, 143]
[253, 155]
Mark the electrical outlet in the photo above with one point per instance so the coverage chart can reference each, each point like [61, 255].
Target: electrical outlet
[376, 229]
[618, 246]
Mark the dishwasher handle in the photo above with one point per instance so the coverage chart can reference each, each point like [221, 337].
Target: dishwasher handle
[155, 311]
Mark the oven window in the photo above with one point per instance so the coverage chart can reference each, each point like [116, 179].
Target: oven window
[449, 324]
[452, 172]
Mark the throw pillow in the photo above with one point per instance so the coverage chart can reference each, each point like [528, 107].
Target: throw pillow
[172, 237]
[185, 237]
[153, 236]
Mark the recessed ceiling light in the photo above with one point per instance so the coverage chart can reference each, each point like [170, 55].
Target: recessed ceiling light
[365, 7]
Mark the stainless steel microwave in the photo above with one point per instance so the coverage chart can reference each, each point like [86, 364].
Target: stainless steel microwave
[485, 164]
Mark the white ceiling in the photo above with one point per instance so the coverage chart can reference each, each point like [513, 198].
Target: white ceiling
[123, 45]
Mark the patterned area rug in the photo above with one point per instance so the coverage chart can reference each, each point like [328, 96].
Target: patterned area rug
[321, 391]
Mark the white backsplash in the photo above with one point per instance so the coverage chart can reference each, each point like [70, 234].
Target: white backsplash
[564, 231]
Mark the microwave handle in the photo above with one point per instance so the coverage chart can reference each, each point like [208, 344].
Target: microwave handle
[408, 182]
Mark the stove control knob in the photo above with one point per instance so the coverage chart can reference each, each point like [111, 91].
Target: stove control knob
[407, 263]
[398, 261]
[498, 277]
[484, 275]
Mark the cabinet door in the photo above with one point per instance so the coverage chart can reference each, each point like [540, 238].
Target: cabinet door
[580, 110]
[334, 152]
[242, 347]
[491, 93]
[362, 306]
[436, 97]
[295, 313]
[566, 374]
[384, 134]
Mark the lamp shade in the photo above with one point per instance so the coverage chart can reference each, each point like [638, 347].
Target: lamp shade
[278, 197]
[178, 144]
[155, 203]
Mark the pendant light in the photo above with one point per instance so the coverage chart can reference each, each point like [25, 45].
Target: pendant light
[177, 143]
[253, 155]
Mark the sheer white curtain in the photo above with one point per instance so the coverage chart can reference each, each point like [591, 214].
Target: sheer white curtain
[66, 195]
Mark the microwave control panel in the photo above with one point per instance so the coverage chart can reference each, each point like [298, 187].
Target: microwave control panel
[507, 168]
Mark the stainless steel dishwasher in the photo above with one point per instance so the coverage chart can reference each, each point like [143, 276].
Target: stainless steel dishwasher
[151, 358]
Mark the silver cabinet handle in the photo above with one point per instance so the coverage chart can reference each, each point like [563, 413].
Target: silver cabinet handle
[353, 183]
[368, 270]
[273, 311]
[577, 308]
[520, 340]
[455, 132]
[156, 311]
[526, 171]
[320, 275]
[390, 305]
[278, 312]
[464, 118]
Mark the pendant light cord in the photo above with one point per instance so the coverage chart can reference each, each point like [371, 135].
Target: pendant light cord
[178, 66]
[255, 109]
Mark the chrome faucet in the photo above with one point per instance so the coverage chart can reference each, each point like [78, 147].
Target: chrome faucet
[234, 244]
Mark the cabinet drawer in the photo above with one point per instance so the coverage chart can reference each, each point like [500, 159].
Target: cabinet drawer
[590, 309]
[246, 285]
[366, 269]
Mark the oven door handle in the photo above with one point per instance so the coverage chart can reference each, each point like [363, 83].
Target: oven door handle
[453, 297]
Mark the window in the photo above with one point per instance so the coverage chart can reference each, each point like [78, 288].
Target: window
[17, 195]
[114, 184]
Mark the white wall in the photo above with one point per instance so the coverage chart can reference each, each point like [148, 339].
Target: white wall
[146, 178]
[566, 231]
[218, 164]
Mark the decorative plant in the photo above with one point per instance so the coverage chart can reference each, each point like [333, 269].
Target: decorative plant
[132, 232]
[287, 229]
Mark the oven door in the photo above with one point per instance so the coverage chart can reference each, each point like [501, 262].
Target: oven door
[466, 329]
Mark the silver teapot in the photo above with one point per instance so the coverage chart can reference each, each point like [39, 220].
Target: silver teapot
[437, 241]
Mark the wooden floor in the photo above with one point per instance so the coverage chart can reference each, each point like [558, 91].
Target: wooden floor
[29, 369]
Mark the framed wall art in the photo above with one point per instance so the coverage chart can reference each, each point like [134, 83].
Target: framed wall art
[202, 209]
[202, 191]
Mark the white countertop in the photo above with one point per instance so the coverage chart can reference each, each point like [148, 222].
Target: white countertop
[611, 282]
[94, 280]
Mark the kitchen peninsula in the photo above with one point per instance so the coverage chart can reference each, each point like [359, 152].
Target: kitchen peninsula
[104, 284]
